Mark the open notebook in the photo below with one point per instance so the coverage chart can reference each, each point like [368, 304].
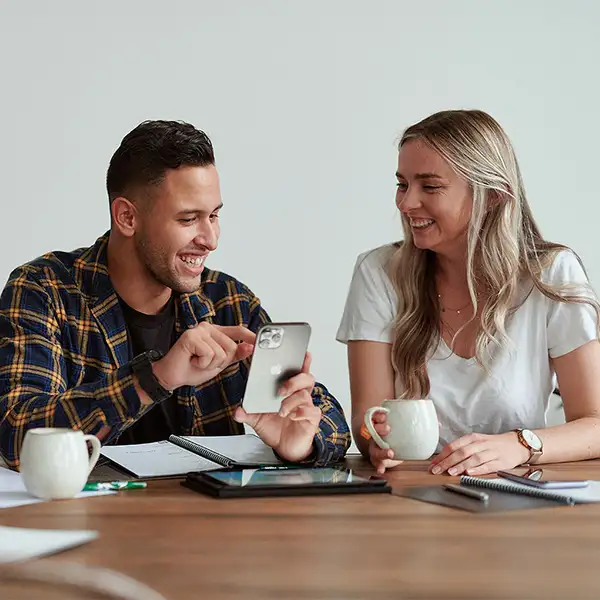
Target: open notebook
[184, 454]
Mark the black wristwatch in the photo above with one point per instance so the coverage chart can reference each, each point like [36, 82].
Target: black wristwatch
[141, 365]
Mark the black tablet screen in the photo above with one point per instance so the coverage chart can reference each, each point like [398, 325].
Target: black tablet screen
[286, 476]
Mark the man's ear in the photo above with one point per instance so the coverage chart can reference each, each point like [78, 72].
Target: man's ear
[124, 215]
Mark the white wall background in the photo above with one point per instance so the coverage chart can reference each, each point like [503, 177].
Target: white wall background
[303, 101]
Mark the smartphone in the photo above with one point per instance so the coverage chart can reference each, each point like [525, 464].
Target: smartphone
[279, 353]
[544, 484]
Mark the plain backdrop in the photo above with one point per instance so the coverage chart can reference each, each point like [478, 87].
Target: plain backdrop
[304, 102]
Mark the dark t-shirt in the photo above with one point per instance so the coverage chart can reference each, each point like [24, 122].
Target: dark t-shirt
[151, 332]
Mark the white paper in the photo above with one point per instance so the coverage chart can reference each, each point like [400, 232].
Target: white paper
[157, 459]
[247, 448]
[13, 492]
[18, 544]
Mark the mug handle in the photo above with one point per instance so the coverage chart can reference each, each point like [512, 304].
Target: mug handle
[95, 442]
[371, 428]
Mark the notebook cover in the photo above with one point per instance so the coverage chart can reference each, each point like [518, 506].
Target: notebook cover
[498, 501]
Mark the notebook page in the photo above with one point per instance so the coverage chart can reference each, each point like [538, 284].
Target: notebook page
[17, 543]
[246, 448]
[157, 459]
[14, 493]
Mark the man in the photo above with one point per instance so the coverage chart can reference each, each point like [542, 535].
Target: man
[133, 338]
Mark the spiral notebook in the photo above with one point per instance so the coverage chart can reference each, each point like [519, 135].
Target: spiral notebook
[180, 455]
[246, 450]
[588, 494]
[504, 495]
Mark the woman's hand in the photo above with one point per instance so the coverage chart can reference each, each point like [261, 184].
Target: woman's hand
[381, 458]
[480, 454]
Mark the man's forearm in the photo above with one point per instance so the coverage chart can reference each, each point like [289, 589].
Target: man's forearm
[333, 438]
[101, 407]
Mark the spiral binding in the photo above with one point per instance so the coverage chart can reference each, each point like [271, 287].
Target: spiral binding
[201, 451]
[502, 485]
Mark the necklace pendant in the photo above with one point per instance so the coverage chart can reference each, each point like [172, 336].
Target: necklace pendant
[458, 312]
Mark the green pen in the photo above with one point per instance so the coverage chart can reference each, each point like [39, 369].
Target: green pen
[114, 485]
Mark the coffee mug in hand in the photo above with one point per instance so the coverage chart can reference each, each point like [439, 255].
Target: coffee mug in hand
[414, 428]
[55, 463]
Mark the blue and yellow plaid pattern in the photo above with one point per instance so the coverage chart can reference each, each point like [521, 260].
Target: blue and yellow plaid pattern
[64, 355]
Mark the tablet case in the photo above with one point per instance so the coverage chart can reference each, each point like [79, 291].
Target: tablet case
[199, 483]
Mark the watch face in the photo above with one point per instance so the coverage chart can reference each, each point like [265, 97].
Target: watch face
[532, 439]
[154, 355]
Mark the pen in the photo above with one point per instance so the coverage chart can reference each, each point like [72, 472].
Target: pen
[114, 485]
[465, 491]
[282, 467]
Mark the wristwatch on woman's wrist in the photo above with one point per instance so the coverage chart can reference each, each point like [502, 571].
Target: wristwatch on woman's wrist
[532, 442]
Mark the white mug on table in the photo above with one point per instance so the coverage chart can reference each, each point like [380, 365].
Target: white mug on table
[55, 463]
[414, 430]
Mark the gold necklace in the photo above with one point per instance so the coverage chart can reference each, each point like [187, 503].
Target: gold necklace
[456, 310]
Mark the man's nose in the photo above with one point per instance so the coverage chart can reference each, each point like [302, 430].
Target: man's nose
[207, 238]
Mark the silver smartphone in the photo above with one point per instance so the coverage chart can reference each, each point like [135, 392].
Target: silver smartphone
[279, 353]
[544, 483]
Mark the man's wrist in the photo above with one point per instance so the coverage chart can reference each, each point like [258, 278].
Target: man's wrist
[309, 458]
[158, 368]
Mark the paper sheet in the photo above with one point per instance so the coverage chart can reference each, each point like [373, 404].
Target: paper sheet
[243, 449]
[13, 492]
[17, 543]
[157, 459]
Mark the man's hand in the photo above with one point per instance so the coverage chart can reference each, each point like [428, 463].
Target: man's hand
[480, 454]
[291, 431]
[201, 353]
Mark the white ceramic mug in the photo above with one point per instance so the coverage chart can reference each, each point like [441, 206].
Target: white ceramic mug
[414, 428]
[55, 463]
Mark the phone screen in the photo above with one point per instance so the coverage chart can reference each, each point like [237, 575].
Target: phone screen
[286, 476]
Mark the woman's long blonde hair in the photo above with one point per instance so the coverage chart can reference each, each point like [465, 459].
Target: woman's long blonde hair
[504, 248]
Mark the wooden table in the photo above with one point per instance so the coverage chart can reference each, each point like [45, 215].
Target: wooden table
[187, 546]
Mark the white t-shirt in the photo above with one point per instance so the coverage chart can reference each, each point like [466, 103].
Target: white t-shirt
[515, 391]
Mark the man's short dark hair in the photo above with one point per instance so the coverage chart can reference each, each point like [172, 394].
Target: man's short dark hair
[150, 149]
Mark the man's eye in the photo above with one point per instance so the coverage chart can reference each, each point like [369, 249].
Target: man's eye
[190, 220]
[214, 217]
[401, 186]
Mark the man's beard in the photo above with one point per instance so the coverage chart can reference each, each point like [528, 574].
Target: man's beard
[156, 263]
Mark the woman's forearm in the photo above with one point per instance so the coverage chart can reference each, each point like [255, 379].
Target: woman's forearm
[576, 440]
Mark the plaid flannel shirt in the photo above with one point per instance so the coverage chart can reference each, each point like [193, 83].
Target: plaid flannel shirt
[64, 355]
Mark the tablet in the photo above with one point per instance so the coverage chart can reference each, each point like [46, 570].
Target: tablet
[282, 481]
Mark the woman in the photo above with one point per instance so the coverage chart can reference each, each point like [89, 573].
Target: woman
[474, 309]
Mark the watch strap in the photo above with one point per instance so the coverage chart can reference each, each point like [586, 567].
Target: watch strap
[141, 366]
[532, 451]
